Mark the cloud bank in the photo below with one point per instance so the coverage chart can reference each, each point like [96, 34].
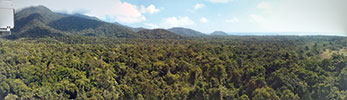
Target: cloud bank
[177, 22]
[151, 9]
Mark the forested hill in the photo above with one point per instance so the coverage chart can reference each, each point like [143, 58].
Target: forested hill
[219, 33]
[39, 22]
[186, 32]
[158, 34]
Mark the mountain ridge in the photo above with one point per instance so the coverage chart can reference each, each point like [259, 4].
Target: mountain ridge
[158, 34]
[219, 33]
[45, 19]
[186, 32]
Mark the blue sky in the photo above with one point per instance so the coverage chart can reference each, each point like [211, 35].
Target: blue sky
[212, 15]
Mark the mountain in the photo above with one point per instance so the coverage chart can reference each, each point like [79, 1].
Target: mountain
[134, 29]
[158, 34]
[32, 22]
[80, 15]
[85, 16]
[138, 29]
[41, 21]
[186, 32]
[35, 28]
[34, 16]
[46, 14]
[219, 33]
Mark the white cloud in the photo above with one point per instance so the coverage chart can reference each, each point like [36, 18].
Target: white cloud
[151, 9]
[126, 13]
[203, 20]
[198, 6]
[177, 22]
[232, 20]
[219, 1]
[151, 25]
[108, 10]
[257, 18]
[264, 5]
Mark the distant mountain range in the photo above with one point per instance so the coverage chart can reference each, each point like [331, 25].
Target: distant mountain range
[158, 34]
[219, 33]
[186, 32]
[40, 22]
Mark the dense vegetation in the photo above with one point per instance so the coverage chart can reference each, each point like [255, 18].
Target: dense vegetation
[242, 68]
[60, 56]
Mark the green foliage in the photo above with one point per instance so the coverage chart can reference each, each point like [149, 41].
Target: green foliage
[289, 95]
[243, 97]
[265, 93]
[343, 79]
[210, 68]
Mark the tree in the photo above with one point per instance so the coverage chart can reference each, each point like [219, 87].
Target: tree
[343, 79]
[265, 93]
[289, 95]
[218, 72]
[243, 97]
[11, 97]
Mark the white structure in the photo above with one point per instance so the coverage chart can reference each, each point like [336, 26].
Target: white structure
[6, 16]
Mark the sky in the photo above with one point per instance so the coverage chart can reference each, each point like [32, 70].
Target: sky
[212, 15]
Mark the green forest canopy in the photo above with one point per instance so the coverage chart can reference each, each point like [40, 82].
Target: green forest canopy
[242, 68]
